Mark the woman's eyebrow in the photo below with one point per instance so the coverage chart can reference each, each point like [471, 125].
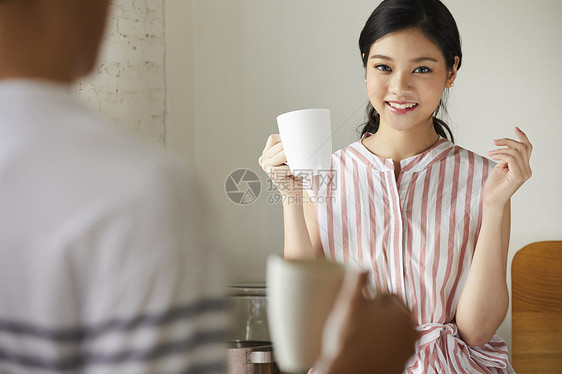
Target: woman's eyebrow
[417, 59]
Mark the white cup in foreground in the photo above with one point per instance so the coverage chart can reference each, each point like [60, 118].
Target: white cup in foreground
[301, 295]
[307, 139]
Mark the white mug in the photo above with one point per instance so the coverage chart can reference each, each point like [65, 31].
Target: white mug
[301, 295]
[307, 139]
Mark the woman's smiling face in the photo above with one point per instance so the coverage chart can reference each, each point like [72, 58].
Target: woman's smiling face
[406, 75]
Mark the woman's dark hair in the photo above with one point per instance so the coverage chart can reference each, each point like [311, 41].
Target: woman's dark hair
[429, 16]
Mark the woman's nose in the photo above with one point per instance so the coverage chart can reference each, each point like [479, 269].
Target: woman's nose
[400, 81]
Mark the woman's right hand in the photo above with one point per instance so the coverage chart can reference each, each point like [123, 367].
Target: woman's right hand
[273, 162]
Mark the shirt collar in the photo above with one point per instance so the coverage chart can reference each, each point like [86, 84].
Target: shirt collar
[35, 87]
[436, 152]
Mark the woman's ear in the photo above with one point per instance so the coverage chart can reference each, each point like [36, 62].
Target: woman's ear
[453, 72]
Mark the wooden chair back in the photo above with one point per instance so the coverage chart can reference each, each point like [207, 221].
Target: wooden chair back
[536, 278]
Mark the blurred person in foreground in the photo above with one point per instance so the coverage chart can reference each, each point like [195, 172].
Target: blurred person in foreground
[104, 268]
[105, 265]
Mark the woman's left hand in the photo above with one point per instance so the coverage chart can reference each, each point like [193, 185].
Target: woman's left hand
[511, 171]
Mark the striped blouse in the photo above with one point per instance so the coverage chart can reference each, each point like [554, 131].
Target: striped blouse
[416, 235]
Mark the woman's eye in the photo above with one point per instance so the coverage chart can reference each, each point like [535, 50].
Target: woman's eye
[382, 67]
[422, 69]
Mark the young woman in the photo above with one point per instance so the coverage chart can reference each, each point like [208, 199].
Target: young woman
[429, 219]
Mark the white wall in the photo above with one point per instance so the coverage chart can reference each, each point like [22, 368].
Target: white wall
[129, 86]
[180, 100]
[241, 63]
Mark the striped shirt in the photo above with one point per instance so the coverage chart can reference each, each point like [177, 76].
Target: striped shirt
[416, 235]
[104, 265]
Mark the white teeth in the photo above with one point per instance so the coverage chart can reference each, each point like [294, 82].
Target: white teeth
[401, 106]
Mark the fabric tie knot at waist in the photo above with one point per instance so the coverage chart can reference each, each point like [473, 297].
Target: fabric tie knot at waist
[441, 350]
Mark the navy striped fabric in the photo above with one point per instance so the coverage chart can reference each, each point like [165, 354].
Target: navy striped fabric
[78, 336]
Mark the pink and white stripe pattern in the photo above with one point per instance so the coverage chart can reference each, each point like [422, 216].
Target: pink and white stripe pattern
[417, 236]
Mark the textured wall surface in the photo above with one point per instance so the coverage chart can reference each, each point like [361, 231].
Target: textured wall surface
[128, 86]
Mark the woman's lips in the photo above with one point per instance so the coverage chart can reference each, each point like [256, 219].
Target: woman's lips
[401, 107]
